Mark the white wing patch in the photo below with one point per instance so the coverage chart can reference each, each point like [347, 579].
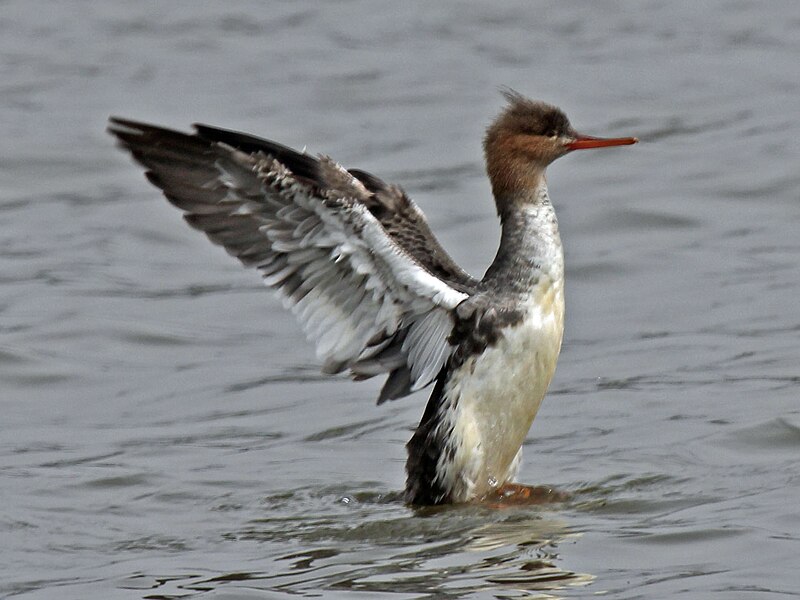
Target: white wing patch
[426, 354]
[351, 286]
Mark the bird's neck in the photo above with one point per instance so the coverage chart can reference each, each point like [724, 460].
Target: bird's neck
[530, 246]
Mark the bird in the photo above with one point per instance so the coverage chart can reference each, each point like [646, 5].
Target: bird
[353, 257]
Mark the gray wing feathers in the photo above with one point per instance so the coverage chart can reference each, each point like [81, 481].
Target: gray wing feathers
[368, 304]
[426, 355]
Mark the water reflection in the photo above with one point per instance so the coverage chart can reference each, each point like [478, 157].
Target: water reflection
[449, 552]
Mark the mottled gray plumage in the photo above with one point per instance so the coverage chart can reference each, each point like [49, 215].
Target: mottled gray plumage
[354, 259]
[297, 229]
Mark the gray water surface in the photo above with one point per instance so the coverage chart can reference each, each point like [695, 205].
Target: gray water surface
[164, 429]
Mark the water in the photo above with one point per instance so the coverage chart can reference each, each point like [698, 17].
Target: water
[165, 432]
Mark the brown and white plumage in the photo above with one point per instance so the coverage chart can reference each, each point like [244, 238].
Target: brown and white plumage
[355, 260]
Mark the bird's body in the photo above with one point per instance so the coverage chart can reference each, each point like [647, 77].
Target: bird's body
[357, 263]
[509, 340]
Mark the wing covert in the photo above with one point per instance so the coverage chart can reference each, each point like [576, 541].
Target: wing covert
[369, 304]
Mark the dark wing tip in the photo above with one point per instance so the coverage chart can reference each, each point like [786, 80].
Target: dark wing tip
[128, 123]
[124, 130]
[136, 136]
[120, 125]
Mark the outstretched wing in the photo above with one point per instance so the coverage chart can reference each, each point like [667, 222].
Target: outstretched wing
[368, 302]
[399, 215]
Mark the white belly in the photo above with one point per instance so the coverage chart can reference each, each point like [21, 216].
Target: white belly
[495, 397]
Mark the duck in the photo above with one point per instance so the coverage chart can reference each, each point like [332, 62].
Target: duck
[355, 260]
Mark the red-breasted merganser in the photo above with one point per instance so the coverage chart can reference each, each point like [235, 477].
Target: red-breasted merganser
[354, 259]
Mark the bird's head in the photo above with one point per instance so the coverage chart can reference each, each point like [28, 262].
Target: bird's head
[526, 137]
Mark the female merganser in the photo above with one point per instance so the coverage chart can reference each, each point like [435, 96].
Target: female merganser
[354, 259]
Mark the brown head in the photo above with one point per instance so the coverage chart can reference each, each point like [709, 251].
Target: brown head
[526, 137]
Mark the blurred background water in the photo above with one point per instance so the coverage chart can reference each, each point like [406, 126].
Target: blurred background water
[165, 432]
